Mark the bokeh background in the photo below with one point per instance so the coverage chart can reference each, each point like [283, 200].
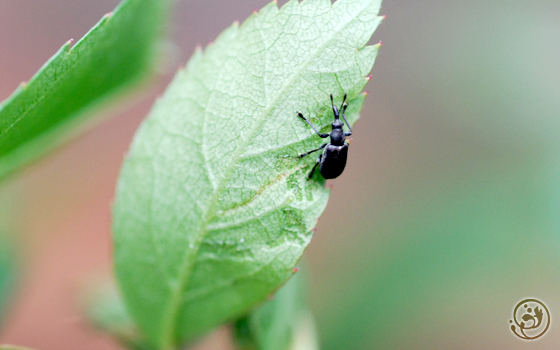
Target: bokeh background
[447, 215]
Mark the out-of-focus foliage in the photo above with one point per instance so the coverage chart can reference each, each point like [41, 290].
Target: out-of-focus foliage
[7, 274]
[456, 211]
[47, 110]
[273, 326]
[462, 248]
[104, 307]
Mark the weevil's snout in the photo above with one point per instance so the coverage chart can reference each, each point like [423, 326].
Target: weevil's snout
[335, 111]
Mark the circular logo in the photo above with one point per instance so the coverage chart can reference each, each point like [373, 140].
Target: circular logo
[531, 318]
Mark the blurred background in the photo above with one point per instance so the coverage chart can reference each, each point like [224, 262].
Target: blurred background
[448, 213]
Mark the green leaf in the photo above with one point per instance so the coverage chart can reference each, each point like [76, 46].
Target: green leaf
[273, 326]
[305, 336]
[8, 270]
[43, 113]
[103, 306]
[7, 280]
[13, 347]
[213, 208]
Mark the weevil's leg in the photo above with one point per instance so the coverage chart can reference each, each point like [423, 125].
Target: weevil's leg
[314, 167]
[315, 150]
[346, 120]
[313, 126]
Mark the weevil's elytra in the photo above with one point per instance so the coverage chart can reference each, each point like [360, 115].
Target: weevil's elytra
[333, 158]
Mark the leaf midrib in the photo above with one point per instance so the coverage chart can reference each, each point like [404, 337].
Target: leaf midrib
[187, 265]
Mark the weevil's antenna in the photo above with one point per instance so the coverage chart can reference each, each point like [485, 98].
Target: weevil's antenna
[344, 100]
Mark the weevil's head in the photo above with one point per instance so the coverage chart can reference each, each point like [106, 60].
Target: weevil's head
[337, 124]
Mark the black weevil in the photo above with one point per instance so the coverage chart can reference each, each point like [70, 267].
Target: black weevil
[333, 158]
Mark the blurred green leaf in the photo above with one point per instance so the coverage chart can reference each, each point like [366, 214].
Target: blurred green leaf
[273, 325]
[105, 309]
[12, 347]
[305, 333]
[213, 208]
[445, 256]
[7, 274]
[43, 113]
